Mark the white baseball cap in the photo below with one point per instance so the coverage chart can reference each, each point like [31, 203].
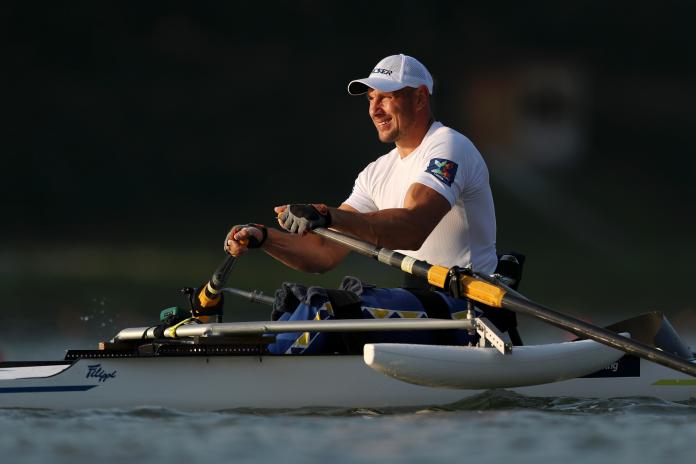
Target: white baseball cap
[393, 73]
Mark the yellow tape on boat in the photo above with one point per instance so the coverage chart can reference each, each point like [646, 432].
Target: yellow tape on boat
[676, 382]
[171, 331]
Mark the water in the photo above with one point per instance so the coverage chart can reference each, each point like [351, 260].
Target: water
[494, 427]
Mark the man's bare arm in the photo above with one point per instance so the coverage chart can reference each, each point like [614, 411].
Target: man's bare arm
[307, 253]
[397, 228]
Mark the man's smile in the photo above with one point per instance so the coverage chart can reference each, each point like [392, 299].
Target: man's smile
[384, 124]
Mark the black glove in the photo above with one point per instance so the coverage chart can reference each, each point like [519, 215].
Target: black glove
[301, 218]
[251, 241]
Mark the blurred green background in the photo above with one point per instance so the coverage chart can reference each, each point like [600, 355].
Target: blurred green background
[137, 133]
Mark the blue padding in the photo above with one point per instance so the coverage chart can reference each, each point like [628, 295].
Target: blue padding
[390, 299]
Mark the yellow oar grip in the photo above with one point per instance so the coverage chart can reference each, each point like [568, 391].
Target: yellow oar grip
[473, 288]
[206, 301]
[437, 276]
[481, 291]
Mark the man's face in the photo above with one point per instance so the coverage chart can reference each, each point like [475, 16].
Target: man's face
[393, 113]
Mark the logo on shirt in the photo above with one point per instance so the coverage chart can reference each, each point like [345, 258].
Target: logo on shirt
[443, 169]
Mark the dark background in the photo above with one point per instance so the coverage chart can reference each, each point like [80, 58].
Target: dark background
[136, 134]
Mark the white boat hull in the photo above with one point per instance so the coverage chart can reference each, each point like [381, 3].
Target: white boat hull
[278, 382]
[216, 383]
[474, 368]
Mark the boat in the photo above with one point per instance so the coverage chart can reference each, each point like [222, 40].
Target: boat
[221, 366]
[200, 363]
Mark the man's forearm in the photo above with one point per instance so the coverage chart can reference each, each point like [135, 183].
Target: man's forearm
[396, 228]
[307, 253]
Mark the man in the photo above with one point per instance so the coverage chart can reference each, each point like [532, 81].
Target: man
[429, 197]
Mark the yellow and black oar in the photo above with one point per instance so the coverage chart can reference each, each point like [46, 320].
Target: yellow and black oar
[496, 296]
[207, 301]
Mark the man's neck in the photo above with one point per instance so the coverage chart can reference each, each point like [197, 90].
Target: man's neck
[406, 147]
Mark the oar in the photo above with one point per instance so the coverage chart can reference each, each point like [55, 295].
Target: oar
[209, 298]
[495, 296]
[255, 296]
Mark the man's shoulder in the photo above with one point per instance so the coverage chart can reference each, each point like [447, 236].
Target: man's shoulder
[443, 133]
[445, 139]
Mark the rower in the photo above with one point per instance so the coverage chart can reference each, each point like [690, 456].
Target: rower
[429, 196]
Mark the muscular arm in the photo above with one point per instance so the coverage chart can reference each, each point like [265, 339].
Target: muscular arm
[401, 228]
[397, 228]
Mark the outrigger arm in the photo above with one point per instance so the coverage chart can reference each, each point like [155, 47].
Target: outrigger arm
[483, 291]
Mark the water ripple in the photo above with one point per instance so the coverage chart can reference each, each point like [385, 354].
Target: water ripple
[492, 400]
[495, 426]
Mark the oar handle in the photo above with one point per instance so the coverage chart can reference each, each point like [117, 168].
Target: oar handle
[222, 273]
[217, 281]
[210, 295]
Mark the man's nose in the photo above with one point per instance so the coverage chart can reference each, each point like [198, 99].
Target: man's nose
[376, 107]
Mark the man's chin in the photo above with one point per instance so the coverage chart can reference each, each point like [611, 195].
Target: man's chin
[387, 137]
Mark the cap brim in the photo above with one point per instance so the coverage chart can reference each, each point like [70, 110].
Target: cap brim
[361, 86]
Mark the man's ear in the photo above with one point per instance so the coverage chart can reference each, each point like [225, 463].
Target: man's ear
[422, 97]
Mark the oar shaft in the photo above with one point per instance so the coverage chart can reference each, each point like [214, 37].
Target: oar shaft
[217, 281]
[209, 295]
[254, 296]
[598, 334]
[435, 275]
[438, 276]
[357, 245]
[208, 301]
[488, 293]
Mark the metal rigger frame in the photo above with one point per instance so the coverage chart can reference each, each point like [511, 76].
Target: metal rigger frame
[489, 335]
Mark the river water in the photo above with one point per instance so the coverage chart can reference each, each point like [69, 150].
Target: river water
[495, 427]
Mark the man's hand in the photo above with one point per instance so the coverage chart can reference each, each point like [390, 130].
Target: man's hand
[301, 218]
[242, 237]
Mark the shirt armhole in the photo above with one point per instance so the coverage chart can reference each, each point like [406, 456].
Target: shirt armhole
[430, 181]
